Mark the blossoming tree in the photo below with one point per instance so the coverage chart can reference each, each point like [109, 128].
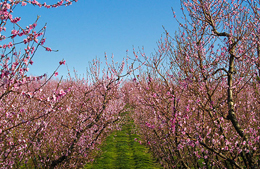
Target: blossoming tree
[46, 123]
[200, 103]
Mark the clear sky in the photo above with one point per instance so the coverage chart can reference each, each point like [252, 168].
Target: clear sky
[89, 28]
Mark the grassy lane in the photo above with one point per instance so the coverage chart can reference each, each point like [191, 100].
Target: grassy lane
[120, 150]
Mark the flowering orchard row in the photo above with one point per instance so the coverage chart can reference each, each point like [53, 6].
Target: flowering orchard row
[197, 105]
[57, 124]
[184, 129]
[46, 123]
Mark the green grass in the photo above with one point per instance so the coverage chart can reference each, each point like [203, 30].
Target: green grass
[120, 150]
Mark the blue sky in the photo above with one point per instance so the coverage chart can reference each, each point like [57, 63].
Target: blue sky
[89, 28]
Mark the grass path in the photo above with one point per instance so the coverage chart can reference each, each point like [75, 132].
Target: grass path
[120, 150]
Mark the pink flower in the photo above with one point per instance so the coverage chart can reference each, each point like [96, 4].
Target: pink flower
[25, 61]
[7, 6]
[42, 41]
[68, 109]
[56, 74]
[29, 94]
[48, 49]
[25, 41]
[36, 40]
[62, 92]
[15, 20]
[62, 62]
[14, 32]
[31, 62]
[24, 3]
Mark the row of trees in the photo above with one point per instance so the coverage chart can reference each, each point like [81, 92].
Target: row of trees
[46, 123]
[199, 104]
[196, 105]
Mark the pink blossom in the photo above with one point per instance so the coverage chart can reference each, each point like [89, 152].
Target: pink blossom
[15, 20]
[14, 32]
[24, 3]
[42, 41]
[62, 92]
[48, 49]
[25, 41]
[7, 6]
[68, 109]
[62, 62]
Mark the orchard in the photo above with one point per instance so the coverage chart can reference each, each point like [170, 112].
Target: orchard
[195, 102]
